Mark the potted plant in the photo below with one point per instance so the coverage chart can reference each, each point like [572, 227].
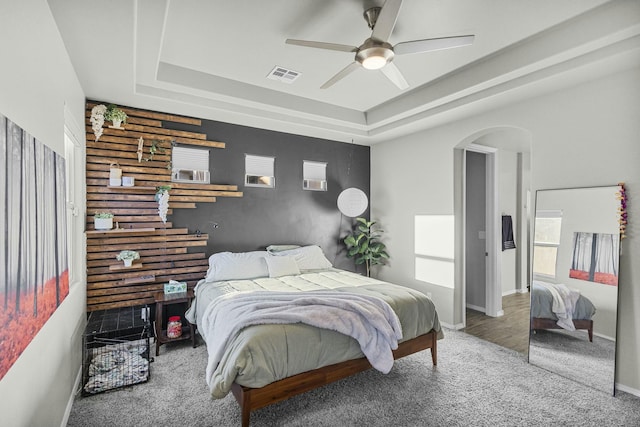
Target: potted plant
[365, 246]
[116, 115]
[103, 221]
[127, 257]
[162, 197]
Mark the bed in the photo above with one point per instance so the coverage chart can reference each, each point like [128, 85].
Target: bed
[545, 308]
[265, 363]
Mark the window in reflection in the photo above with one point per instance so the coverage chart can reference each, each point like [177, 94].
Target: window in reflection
[548, 225]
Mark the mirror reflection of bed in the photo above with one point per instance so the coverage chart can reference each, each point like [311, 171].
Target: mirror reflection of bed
[574, 293]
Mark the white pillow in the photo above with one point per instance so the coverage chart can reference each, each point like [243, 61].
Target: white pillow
[307, 257]
[281, 266]
[279, 248]
[236, 266]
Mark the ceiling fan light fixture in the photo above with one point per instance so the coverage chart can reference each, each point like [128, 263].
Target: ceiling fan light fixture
[374, 62]
[374, 55]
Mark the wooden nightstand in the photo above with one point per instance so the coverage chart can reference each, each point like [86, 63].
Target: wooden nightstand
[183, 300]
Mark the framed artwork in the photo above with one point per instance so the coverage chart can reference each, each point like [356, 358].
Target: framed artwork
[33, 248]
[595, 257]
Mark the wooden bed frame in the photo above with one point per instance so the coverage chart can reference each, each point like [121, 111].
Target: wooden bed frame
[542, 323]
[255, 398]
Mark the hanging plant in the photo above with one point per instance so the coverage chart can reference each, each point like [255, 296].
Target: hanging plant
[97, 120]
[162, 197]
[365, 246]
[153, 149]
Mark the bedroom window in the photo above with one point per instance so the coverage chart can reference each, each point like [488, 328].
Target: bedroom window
[546, 242]
[259, 171]
[314, 176]
[190, 165]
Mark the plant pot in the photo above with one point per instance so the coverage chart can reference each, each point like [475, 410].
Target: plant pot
[103, 223]
[127, 262]
[116, 124]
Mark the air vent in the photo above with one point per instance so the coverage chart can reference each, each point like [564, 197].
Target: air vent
[284, 75]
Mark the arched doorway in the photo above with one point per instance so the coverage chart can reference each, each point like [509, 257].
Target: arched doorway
[493, 174]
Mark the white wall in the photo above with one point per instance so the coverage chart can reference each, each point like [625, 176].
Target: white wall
[37, 81]
[508, 194]
[582, 136]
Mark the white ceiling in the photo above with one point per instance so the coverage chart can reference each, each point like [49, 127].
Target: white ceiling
[211, 58]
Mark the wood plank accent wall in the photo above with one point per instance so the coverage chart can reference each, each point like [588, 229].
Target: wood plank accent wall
[165, 252]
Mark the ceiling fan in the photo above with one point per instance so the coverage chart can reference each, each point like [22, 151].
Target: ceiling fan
[376, 53]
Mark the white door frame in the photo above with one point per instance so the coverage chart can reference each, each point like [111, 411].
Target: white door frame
[493, 302]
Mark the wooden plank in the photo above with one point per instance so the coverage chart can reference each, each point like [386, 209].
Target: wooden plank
[134, 112]
[125, 290]
[128, 165]
[141, 279]
[146, 252]
[192, 199]
[210, 144]
[121, 298]
[205, 193]
[116, 155]
[93, 205]
[190, 186]
[121, 267]
[135, 131]
[149, 238]
[127, 303]
[170, 272]
[137, 231]
[150, 266]
[140, 177]
[177, 205]
[137, 246]
[130, 119]
[147, 260]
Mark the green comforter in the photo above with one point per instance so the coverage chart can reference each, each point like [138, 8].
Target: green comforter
[262, 354]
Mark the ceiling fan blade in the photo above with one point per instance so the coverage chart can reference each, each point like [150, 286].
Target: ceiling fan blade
[386, 20]
[323, 45]
[428, 45]
[341, 74]
[393, 73]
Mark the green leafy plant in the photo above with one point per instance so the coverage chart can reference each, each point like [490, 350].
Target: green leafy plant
[115, 113]
[103, 215]
[127, 255]
[153, 149]
[364, 244]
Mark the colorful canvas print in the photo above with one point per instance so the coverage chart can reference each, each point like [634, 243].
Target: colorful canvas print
[595, 257]
[33, 252]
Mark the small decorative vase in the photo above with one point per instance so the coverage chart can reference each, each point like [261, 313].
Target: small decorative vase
[127, 262]
[103, 223]
[116, 124]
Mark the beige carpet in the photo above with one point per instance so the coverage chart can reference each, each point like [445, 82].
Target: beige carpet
[475, 383]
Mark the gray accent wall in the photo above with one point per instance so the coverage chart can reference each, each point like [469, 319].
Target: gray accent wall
[286, 214]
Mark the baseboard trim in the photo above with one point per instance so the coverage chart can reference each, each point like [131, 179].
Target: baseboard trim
[456, 327]
[627, 389]
[477, 308]
[72, 398]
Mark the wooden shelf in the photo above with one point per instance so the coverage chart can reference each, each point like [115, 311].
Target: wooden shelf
[133, 187]
[119, 267]
[120, 231]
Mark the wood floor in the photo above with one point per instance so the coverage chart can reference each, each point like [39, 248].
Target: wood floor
[510, 331]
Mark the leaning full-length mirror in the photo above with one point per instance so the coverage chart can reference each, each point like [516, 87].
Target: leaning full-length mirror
[574, 291]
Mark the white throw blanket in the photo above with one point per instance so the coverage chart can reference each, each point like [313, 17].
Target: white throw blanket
[564, 303]
[370, 320]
